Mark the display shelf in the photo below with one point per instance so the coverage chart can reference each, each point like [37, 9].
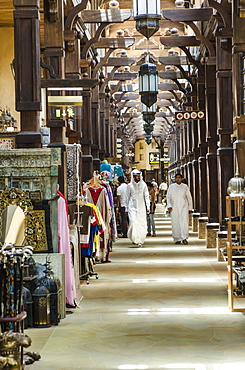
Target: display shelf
[235, 259]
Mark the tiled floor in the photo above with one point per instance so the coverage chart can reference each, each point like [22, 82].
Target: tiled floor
[162, 306]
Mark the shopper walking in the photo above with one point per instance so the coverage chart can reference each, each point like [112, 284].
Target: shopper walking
[155, 187]
[150, 216]
[179, 204]
[138, 204]
[121, 204]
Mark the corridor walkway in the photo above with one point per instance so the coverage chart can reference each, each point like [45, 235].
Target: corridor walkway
[162, 306]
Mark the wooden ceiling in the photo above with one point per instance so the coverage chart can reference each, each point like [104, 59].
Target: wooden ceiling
[6, 13]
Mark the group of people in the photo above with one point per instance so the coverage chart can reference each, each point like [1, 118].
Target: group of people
[136, 203]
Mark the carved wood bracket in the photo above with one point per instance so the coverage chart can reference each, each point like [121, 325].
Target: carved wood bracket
[188, 16]
[203, 39]
[111, 44]
[222, 11]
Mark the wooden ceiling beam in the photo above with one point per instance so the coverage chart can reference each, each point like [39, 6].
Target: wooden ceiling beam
[178, 41]
[120, 61]
[168, 86]
[174, 60]
[188, 15]
[106, 15]
[170, 75]
[114, 42]
[85, 83]
[124, 76]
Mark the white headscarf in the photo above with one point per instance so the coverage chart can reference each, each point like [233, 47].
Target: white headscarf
[136, 172]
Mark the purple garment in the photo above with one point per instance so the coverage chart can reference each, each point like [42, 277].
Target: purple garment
[64, 247]
[113, 223]
[109, 193]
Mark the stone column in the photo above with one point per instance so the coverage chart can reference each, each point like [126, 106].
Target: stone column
[212, 230]
[202, 221]
[195, 225]
[27, 72]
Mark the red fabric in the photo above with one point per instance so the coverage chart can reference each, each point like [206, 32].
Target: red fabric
[83, 245]
[95, 193]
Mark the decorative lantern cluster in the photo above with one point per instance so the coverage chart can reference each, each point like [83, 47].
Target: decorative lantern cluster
[147, 14]
[46, 300]
[46, 294]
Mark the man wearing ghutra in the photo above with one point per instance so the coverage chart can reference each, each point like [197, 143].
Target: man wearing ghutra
[179, 204]
[137, 206]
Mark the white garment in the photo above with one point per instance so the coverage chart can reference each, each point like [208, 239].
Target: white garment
[163, 186]
[137, 204]
[122, 192]
[180, 200]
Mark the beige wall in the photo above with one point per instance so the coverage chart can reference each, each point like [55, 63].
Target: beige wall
[142, 151]
[7, 89]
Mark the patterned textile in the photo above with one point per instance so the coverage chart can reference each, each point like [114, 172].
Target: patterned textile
[72, 159]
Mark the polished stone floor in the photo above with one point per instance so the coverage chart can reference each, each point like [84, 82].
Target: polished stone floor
[161, 306]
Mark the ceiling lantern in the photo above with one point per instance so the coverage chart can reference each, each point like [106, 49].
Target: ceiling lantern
[148, 128]
[148, 83]
[148, 138]
[148, 113]
[147, 14]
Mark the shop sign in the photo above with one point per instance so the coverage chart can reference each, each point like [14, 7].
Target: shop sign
[154, 158]
[190, 115]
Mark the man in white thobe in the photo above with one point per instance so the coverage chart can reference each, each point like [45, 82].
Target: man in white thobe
[137, 206]
[179, 204]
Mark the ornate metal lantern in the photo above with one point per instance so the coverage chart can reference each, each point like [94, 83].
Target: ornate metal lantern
[148, 138]
[148, 84]
[27, 301]
[51, 285]
[148, 113]
[41, 307]
[236, 186]
[148, 128]
[147, 14]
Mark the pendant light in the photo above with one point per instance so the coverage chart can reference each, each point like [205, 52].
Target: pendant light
[148, 83]
[148, 113]
[147, 14]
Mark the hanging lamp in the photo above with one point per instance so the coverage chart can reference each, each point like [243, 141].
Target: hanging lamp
[147, 14]
[148, 128]
[148, 83]
[148, 113]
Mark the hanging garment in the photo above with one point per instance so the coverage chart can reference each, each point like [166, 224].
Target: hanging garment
[73, 234]
[137, 204]
[118, 171]
[113, 224]
[82, 221]
[64, 247]
[180, 200]
[99, 197]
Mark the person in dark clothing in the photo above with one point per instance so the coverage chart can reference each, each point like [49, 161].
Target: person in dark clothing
[150, 216]
[121, 204]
